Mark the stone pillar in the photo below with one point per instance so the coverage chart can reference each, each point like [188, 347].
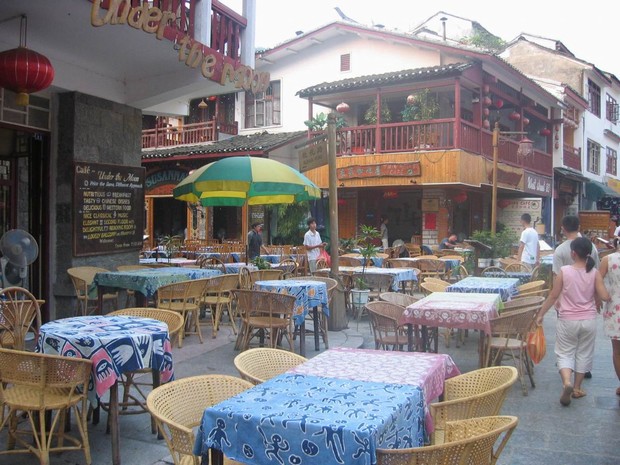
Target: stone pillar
[88, 129]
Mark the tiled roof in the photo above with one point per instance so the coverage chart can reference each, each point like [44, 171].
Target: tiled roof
[257, 142]
[395, 77]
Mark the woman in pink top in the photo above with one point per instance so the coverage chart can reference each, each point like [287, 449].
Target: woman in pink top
[577, 288]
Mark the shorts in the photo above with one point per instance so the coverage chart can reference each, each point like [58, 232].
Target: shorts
[312, 265]
[574, 344]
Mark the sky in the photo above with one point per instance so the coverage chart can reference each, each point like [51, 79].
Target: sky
[589, 30]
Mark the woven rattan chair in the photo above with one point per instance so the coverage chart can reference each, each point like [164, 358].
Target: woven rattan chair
[476, 441]
[245, 278]
[178, 407]
[508, 337]
[185, 298]
[213, 263]
[20, 314]
[350, 261]
[453, 257]
[539, 293]
[260, 364]
[217, 296]
[505, 262]
[531, 287]
[82, 279]
[321, 263]
[479, 393]
[518, 267]
[437, 281]
[134, 396]
[35, 384]
[429, 287]
[331, 284]
[377, 283]
[265, 275]
[288, 266]
[265, 314]
[384, 322]
[494, 271]
[457, 273]
[519, 303]
[398, 298]
[430, 267]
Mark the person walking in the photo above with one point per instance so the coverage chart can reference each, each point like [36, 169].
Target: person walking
[576, 290]
[313, 244]
[610, 271]
[255, 241]
[384, 232]
[562, 253]
[529, 249]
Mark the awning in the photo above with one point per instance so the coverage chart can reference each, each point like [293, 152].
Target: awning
[597, 190]
[570, 174]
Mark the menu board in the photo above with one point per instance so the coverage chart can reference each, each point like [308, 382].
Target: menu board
[510, 214]
[108, 208]
[595, 223]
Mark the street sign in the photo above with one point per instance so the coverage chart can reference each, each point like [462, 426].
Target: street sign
[313, 156]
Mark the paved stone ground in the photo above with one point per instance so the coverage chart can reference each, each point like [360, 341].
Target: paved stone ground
[586, 432]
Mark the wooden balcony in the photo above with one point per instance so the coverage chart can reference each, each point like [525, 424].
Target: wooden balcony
[170, 136]
[572, 157]
[441, 134]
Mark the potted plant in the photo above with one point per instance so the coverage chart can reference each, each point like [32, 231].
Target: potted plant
[500, 246]
[171, 245]
[347, 245]
[261, 263]
[420, 106]
[368, 250]
[370, 117]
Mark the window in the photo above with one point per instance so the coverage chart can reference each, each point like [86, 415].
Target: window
[594, 157]
[594, 98]
[263, 108]
[611, 109]
[612, 161]
[345, 62]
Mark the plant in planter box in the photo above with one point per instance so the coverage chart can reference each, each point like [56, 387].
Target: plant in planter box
[347, 245]
[319, 122]
[500, 243]
[172, 245]
[261, 263]
[370, 116]
[367, 249]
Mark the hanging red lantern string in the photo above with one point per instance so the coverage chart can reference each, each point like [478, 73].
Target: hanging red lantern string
[460, 197]
[514, 116]
[526, 121]
[545, 132]
[499, 103]
[24, 71]
[487, 101]
[342, 107]
[486, 124]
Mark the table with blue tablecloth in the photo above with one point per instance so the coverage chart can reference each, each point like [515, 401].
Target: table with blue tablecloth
[505, 287]
[401, 275]
[309, 296]
[522, 276]
[116, 345]
[302, 419]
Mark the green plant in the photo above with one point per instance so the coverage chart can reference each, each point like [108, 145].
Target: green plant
[319, 122]
[291, 220]
[347, 245]
[423, 107]
[367, 249]
[261, 263]
[172, 245]
[500, 243]
[370, 116]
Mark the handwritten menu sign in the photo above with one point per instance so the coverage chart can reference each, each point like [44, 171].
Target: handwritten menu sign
[108, 208]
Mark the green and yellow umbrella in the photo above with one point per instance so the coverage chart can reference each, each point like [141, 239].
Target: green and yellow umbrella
[236, 181]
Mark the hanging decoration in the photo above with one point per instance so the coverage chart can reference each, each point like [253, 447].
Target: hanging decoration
[545, 132]
[212, 98]
[503, 203]
[499, 103]
[411, 99]
[487, 101]
[342, 202]
[460, 197]
[486, 112]
[486, 124]
[342, 107]
[514, 116]
[24, 71]
[526, 121]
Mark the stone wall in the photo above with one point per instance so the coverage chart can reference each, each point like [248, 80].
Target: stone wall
[90, 129]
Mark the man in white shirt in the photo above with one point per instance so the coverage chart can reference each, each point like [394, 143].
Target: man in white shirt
[313, 244]
[529, 249]
[617, 230]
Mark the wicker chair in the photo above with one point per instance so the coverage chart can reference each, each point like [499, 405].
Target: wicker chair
[184, 297]
[430, 267]
[519, 303]
[136, 403]
[457, 273]
[531, 287]
[384, 322]
[288, 266]
[509, 337]
[263, 313]
[82, 279]
[213, 263]
[471, 441]
[217, 296]
[178, 407]
[20, 314]
[437, 281]
[494, 271]
[428, 287]
[518, 267]
[479, 393]
[377, 283]
[398, 298]
[265, 275]
[321, 263]
[35, 384]
[245, 278]
[260, 364]
[453, 257]
[350, 261]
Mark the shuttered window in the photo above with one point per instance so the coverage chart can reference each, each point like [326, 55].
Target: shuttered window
[345, 62]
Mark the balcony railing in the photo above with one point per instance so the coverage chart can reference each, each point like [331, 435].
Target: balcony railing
[572, 157]
[436, 135]
[171, 136]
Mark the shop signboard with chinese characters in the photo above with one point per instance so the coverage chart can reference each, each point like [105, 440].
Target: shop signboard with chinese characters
[380, 170]
[537, 184]
[313, 156]
[509, 213]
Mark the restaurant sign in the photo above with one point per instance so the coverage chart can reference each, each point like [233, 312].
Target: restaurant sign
[537, 184]
[153, 20]
[313, 156]
[380, 170]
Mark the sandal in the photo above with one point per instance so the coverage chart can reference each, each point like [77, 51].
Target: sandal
[566, 393]
[578, 393]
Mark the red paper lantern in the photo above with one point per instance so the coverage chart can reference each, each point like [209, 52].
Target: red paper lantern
[411, 99]
[486, 124]
[342, 202]
[212, 98]
[487, 101]
[499, 103]
[526, 121]
[545, 132]
[503, 203]
[514, 116]
[24, 71]
[342, 107]
[460, 197]
[486, 112]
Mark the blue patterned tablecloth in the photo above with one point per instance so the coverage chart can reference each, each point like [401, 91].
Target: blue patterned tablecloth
[308, 294]
[147, 281]
[115, 344]
[522, 276]
[399, 274]
[505, 287]
[298, 419]
[450, 263]
[234, 255]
